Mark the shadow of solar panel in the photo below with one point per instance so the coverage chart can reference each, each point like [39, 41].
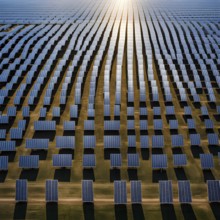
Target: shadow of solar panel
[62, 160]
[184, 191]
[51, 190]
[45, 125]
[37, 144]
[177, 140]
[112, 141]
[89, 141]
[89, 161]
[3, 162]
[136, 194]
[29, 162]
[133, 160]
[120, 192]
[207, 161]
[87, 191]
[159, 161]
[157, 141]
[179, 160]
[166, 192]
[21, 191]
[67, 142]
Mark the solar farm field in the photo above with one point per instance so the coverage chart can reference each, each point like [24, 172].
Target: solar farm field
[109, 109]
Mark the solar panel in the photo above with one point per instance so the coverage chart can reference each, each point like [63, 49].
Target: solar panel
[144, 141]
[191, 124]
[11, 112]
[43, 112]
[89, 160]
[3, 162]
[143, 124]
[120, 192]
[29, 162]
[2, 133]
[158, 124]
[7, 146]
[21, 191]
[156, 111]
[56, 112]
[166, 192]
[133, 160]
[22, 124]
[194, 139]
[131, 140]
[157, 141]
[170, 110]
[115, 160]
[177, 140]
[62, 160]
[179, 160]
[89, 125]
[187, 110]
[51, 190]
[159, 161]
[136, 194]
[65, 142]
[213, 190]
[111, 125]
[173, 124]
[37, 143]
[131, 125]
[213, 139]
[69, 126]
[206, 161]
[89, 141]
[26, 111]
[45, 125]
[209, 124]
[112, 141]
[16, 133]
[87, 190]
[184, 191]
[74, 111]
